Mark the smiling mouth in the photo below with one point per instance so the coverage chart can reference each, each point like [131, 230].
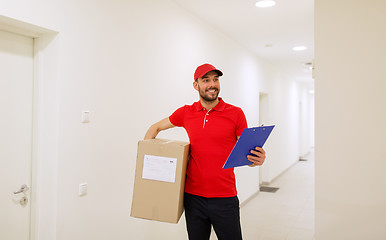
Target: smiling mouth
[212, 90]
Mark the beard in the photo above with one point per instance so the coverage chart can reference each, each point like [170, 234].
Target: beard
[208, 97]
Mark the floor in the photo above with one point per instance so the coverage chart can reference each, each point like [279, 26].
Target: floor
[287, 214]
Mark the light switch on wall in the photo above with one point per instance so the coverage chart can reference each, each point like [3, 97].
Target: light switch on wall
[83, 189]
[85, 117]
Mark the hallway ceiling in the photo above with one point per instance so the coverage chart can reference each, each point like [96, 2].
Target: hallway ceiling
[270, 33]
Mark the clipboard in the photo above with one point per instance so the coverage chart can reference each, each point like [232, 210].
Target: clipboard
[249, 139]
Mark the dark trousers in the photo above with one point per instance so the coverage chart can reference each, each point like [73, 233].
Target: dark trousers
[222, 213]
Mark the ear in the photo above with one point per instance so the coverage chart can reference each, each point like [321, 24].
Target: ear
[195, 85]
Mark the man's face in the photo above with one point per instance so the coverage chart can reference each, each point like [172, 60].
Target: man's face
[208, 86]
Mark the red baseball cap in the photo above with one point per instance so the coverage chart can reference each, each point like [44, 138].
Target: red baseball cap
[204, 69]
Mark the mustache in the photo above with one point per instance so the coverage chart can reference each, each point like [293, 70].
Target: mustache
[211, 89]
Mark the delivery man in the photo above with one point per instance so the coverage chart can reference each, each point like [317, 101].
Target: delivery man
[213, 127]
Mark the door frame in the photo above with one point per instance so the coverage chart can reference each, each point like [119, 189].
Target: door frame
[263, 119]
[43, 197]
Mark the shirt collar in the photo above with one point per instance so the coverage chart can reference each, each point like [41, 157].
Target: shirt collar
[219, 107]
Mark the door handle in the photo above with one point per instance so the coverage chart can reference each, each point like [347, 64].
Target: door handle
[24, 188]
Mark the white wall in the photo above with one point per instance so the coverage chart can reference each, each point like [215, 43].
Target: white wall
[350, 113]
[130, 63]
[306, 118]
[284, 113]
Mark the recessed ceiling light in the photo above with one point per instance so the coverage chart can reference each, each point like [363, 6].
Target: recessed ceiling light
[299, 48]
[265, 3]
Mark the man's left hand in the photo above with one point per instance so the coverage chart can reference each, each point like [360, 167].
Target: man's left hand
[257, 158]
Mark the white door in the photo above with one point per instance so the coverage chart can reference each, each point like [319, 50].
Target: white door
[263, 119]
[16, 95]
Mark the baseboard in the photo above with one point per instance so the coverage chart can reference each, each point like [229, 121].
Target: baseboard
[284, 171]
[243, 203]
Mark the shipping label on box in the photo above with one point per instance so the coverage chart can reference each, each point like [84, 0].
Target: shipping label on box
[160, 180]
[159, 168]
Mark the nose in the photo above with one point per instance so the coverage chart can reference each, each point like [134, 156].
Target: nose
[212, 83]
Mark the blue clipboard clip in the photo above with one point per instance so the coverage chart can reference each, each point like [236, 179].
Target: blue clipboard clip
[249, 139]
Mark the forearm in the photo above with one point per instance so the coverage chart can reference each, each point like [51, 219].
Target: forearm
[152, 132]
[154, 129]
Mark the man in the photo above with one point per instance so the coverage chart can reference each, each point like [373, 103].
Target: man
[213, 127]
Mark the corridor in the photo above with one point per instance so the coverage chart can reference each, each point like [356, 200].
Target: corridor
[287, 214]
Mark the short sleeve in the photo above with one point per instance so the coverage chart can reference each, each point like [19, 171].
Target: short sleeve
[177, 117]
[241, 123]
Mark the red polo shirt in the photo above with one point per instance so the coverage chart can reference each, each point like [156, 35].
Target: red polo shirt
[212, 136]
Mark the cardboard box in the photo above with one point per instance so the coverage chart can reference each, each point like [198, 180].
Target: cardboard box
[160, 180]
